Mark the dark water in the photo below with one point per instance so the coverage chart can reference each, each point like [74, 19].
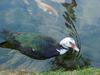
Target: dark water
[15, 17]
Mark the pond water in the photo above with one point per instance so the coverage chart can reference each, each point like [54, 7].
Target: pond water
[15, 16]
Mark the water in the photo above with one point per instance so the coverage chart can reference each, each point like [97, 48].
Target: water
[14, 16]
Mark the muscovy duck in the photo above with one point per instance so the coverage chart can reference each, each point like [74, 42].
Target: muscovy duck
[35, 45]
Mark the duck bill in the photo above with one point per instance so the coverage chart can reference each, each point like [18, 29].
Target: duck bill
[76, 48]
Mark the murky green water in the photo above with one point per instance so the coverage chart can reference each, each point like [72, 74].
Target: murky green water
[15, 17]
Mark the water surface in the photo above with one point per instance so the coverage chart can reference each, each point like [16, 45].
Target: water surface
[15, 17]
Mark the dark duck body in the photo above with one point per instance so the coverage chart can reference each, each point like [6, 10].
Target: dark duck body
[33, 45]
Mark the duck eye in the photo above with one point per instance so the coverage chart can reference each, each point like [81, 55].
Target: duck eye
[71, 43]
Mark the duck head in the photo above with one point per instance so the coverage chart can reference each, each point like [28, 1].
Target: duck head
[66, 43]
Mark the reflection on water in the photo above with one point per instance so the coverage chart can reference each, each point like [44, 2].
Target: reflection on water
[72, 60]
[70, 9]
[15, 17]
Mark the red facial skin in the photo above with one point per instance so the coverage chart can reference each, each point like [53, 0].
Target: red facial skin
[72, 45]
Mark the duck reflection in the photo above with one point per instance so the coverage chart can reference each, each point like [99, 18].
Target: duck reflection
[70, 9]
[71, 60]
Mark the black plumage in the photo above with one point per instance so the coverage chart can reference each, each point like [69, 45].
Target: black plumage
[31, 44]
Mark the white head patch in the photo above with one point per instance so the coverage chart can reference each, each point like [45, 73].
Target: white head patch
[66, 42]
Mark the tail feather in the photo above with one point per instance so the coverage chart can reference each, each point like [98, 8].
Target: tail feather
[5, 34]
[5, 45]
[11, 45]
[10, 41]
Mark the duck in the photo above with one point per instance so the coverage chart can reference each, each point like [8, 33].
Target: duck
[36, 46]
